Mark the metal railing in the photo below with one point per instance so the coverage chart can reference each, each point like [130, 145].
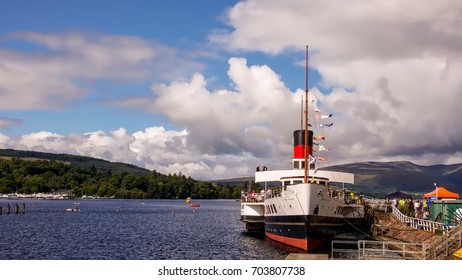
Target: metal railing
[427, 225]
[373, 250]
[450, 242]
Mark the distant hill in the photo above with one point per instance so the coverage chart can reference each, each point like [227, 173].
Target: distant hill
[373, 178]
[77, 161]
[385, 177]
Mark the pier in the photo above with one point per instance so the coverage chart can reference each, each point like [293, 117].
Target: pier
[396, 236]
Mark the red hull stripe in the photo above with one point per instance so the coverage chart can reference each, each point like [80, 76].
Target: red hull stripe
[304, 244]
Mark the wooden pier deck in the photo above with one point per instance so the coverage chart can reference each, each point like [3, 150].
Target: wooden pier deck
[438, 246]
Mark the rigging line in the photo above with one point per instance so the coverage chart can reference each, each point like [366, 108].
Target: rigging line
[306, 167]
[354, 210]
[312, 228]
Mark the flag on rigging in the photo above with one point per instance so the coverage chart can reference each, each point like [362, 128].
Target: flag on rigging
[328, 125]
[312, 159]
[319, 137]
[320, 117]
[322, 148]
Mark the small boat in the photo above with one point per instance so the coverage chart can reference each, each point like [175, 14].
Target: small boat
[72, 210]
[194, 205]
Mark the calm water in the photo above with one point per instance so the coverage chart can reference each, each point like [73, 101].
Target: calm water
[130, 229]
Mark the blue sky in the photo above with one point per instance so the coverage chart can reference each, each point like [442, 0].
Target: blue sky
[212, 88]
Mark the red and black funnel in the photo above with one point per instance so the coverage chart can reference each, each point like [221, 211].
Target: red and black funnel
[299, 143]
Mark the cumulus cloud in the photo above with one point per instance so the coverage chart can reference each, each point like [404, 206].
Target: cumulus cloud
[57, 68]
[393, 78]
[394, 74]
[226, 132]
[247, 118]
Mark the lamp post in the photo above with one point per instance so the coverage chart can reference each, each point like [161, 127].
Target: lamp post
[436, 192]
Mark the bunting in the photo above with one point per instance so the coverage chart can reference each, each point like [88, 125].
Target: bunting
[322, 148]
[321, 117]
[328, 125]
[312, 159]
[319, 137]
[322, 159]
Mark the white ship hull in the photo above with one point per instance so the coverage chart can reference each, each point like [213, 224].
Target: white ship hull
[307, 215]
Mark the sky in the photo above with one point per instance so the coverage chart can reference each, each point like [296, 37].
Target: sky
[212, 89]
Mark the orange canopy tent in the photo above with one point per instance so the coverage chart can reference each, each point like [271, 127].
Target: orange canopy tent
[441, 192]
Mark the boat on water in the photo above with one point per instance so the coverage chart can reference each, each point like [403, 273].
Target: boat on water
[304, 207]
[194, 205]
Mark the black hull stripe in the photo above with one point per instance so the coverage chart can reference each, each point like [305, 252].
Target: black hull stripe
[303, 227]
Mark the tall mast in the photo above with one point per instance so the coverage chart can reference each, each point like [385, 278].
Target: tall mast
[306, 119]
[301, 113]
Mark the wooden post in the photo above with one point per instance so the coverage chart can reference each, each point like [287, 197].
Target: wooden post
[1, 210]
[8, 208]
[16, 208]
[24, 208]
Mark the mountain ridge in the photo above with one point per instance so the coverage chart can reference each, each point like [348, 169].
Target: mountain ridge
[403, 175]
[372, 177]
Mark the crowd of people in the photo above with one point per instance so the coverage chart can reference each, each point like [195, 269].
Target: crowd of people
[420, 208]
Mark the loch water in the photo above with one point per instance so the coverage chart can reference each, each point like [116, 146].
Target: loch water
[118, 229]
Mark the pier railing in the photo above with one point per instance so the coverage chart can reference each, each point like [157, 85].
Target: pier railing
[451, 242]
[440, 249]
[389, 250]
[375, 250]
[426, 225]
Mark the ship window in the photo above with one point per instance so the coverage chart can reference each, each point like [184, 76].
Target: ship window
[297, 182]
[296, 165]
[286, 183]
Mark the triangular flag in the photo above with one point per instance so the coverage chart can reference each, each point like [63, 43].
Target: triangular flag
[322, 148]
[312, 159]
[320, 117]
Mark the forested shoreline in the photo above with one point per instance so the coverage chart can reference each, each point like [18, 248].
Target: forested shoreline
[28, 176]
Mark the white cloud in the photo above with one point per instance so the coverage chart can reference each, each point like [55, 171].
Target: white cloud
[60, 68]
[246, 119]
[227, 132]
[394, 75]
[402, 69]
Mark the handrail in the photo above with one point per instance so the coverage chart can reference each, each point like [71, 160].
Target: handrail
[426, 225]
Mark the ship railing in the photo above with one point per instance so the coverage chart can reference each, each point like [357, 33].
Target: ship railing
[427, 225]
[377, 204]
[253, 197]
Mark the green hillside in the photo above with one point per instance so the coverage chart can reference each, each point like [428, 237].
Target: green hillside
[35, 172]
[74, 160]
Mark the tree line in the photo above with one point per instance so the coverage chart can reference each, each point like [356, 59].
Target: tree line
[46, 176]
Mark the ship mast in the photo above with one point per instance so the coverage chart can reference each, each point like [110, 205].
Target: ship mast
[305, 180]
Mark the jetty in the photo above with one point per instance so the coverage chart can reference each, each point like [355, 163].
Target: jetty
[396, 236]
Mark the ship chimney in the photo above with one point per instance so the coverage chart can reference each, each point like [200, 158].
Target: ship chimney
[299, 143]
